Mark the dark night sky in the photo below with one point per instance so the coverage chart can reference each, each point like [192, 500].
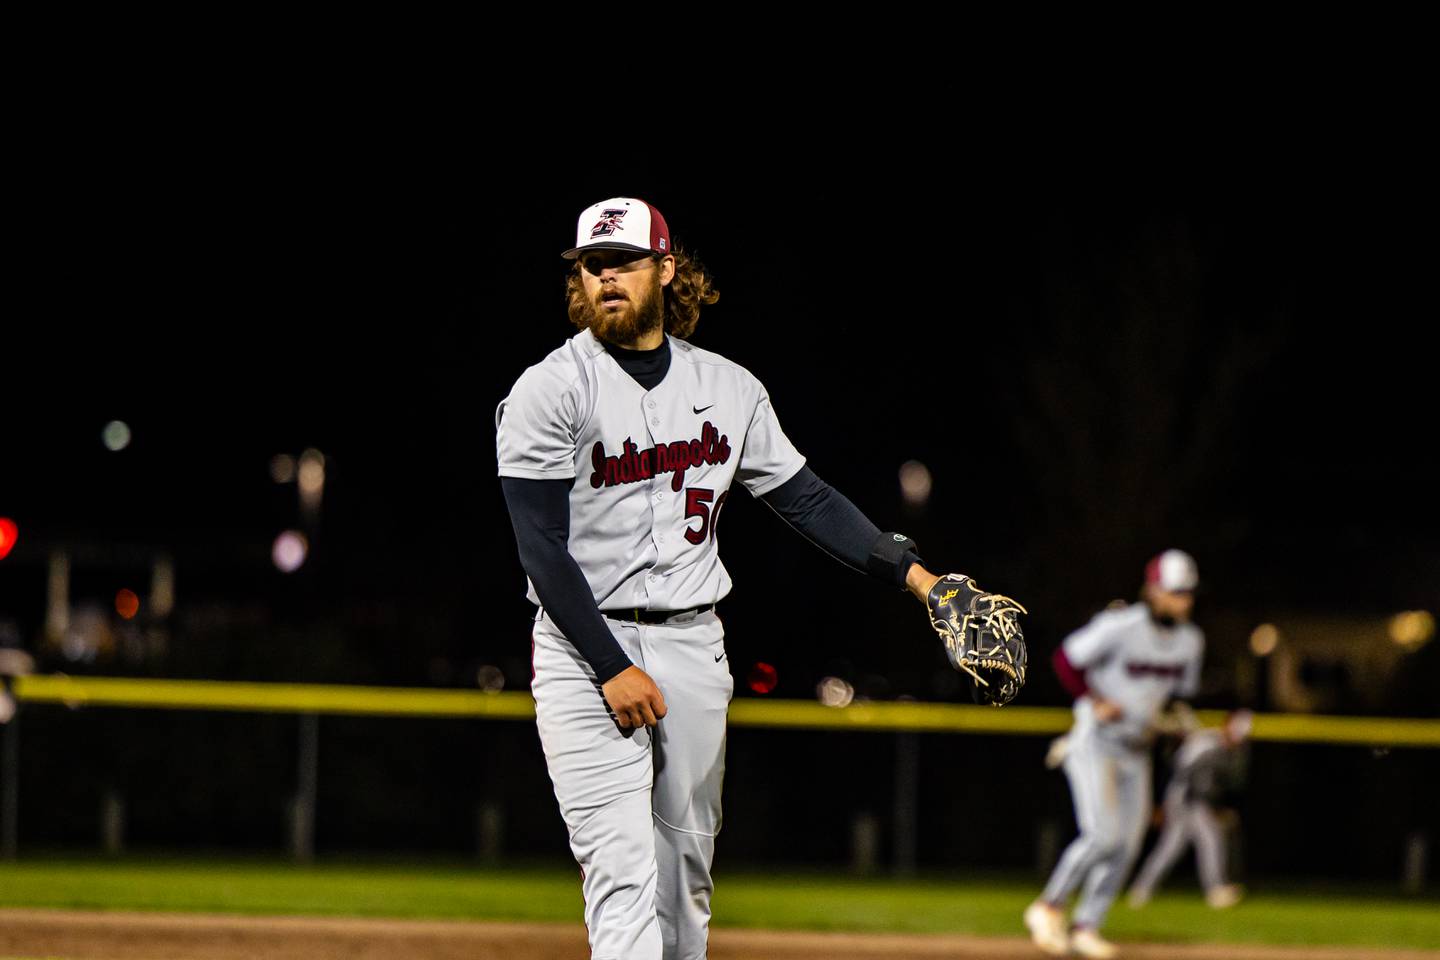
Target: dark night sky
[1221, 344]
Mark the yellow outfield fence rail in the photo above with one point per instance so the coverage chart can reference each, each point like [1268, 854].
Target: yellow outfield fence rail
[893, 716]
[272, 697]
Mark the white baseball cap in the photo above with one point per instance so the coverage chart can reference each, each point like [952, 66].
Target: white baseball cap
[1172, 571]
[622, 223]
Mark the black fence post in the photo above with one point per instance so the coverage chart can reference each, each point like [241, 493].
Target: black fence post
[307, 777]
[907, 794]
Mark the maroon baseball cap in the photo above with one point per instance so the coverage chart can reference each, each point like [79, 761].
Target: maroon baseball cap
[623, 223]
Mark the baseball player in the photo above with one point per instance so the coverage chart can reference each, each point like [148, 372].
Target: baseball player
[1205, 761]
[617, 453]
[1122, 668]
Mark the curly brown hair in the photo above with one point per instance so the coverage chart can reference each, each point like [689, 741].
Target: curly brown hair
[691, 288]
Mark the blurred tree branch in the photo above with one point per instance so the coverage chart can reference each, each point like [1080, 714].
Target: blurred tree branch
[1131, 395]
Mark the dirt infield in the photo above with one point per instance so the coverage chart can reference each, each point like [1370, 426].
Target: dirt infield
[76, 935]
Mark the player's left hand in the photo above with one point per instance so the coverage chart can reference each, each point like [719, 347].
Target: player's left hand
[1176, 720]
[982, 636]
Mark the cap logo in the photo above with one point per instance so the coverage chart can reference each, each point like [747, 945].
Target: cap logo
[608, 223]
[662, 243]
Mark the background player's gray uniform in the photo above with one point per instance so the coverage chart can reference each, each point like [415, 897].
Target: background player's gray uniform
[1201, 763]
[1138, 664]
[651, 470]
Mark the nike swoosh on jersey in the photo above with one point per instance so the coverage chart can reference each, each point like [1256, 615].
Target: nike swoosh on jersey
[719, 658]
[700, 410]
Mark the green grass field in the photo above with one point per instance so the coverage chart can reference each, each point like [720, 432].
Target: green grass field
[811, 901]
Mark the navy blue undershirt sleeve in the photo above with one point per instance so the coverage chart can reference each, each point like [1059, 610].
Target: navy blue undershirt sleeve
[540, 514]
[828, 519]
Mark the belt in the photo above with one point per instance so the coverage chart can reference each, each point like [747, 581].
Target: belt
[636, 615]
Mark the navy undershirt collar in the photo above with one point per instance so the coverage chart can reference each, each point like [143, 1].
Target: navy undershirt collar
[645, 367]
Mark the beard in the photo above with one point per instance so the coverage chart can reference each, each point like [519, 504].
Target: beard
[626, 325]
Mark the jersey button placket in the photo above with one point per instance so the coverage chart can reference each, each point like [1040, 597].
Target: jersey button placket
[657, 496]
[657, 501]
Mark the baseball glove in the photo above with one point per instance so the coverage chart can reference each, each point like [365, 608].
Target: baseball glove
[1176, 720]
[982, 636]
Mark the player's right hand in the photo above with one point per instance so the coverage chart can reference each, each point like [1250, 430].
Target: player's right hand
[1107, 711]
[634, 699]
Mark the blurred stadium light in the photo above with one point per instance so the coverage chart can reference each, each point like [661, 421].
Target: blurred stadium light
[834, 692]
[490, 678]
[116, 436]
[162, 587]
[1412, 629]
[289, 551]
[915, 483]
[127, 604]
[1264, 639]
[312, 485]
[763, 678]
[9, 533]
[282, 468]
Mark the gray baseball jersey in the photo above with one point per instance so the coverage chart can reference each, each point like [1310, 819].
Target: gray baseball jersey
[1131, 660]
[652, 468]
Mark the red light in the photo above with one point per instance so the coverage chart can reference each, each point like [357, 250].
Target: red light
[127, 604]
[763, 678]
[8, 534]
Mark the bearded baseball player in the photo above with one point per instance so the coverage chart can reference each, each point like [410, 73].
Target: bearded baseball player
[617, 453]
[1123, 668]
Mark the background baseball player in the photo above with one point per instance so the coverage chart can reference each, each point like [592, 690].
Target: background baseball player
[1205, 765]
[1122, 668]
[616, 455]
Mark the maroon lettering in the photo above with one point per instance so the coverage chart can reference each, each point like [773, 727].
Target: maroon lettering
[680, 462]
[1139, 668]
[675, 457]
[599, 464]
[627, 463]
